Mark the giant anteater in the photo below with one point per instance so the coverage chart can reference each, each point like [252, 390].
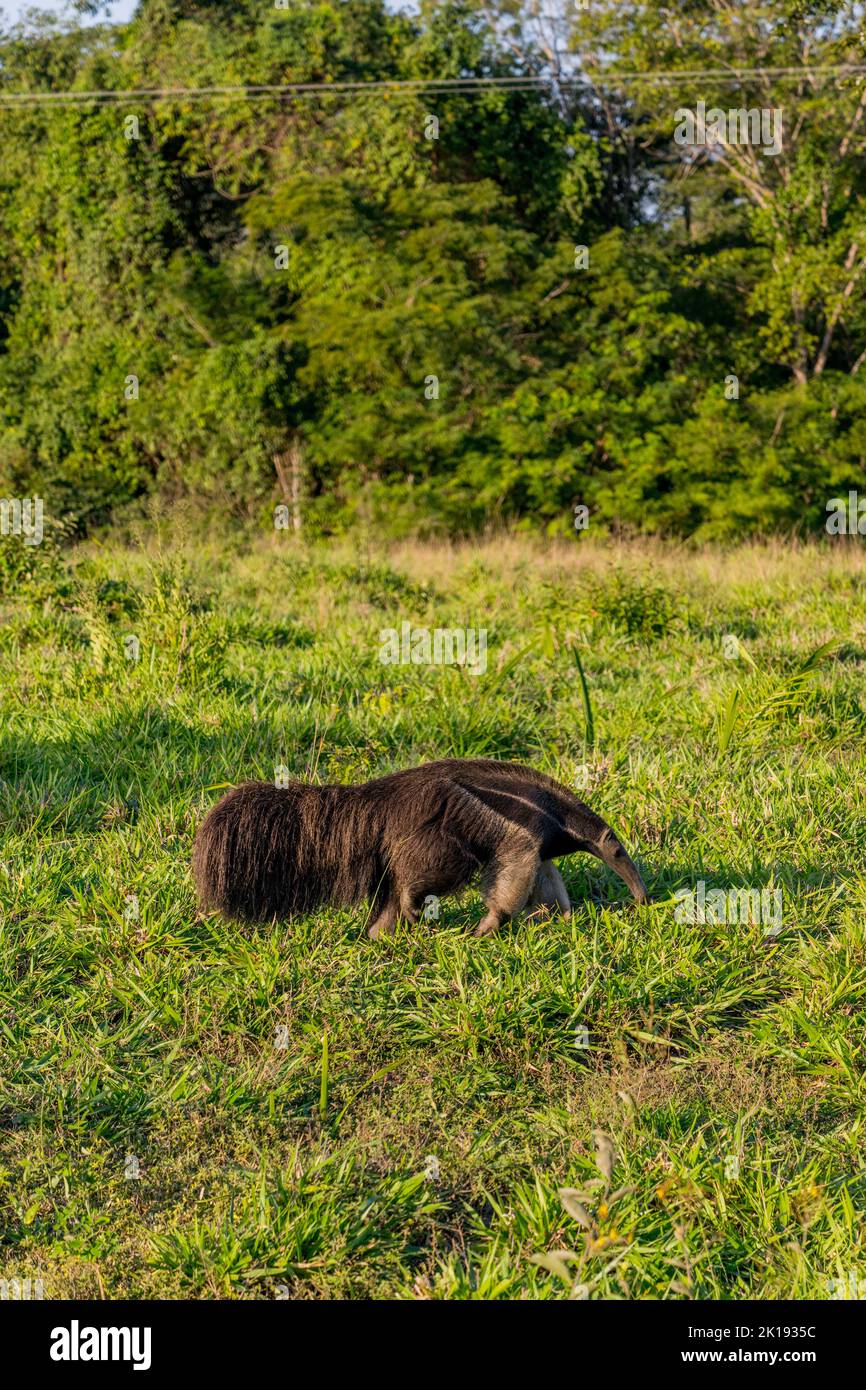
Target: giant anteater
[265, 851]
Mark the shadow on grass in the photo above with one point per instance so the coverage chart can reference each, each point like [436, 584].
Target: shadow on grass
[149, 757]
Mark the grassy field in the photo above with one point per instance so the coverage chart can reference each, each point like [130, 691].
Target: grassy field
[189, 1109]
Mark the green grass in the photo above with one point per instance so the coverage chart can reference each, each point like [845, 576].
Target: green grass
[678, 1107]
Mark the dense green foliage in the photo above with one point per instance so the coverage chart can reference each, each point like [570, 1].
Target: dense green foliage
[191, 1108]
[285, 279]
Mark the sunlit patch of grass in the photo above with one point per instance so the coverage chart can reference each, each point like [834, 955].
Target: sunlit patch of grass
[283, 1091]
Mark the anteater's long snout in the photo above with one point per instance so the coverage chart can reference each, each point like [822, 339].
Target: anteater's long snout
[591, 833]
[608, 848]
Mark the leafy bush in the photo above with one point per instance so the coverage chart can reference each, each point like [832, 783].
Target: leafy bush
[635, 606]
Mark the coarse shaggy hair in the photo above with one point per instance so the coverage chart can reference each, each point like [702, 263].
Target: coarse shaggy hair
[265, 851]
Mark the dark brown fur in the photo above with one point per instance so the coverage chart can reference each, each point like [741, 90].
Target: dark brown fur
[266, 851]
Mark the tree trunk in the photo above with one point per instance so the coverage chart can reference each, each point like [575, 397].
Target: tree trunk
[288, 466]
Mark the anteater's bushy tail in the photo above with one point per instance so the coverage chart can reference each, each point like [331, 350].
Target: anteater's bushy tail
[253, 858]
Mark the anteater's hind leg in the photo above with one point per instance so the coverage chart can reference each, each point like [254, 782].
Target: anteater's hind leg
[384, 908]
[395, 900]
[549, 893]
[410, 907]
[405, 907]
[386, 921]
[509, 882]
[429, 880]
[435, 857]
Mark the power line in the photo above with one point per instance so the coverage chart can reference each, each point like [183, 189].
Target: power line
[410, 86]
[261, 91]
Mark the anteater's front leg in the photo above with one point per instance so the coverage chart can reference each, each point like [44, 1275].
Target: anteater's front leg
[509, 882]
[549, 893]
